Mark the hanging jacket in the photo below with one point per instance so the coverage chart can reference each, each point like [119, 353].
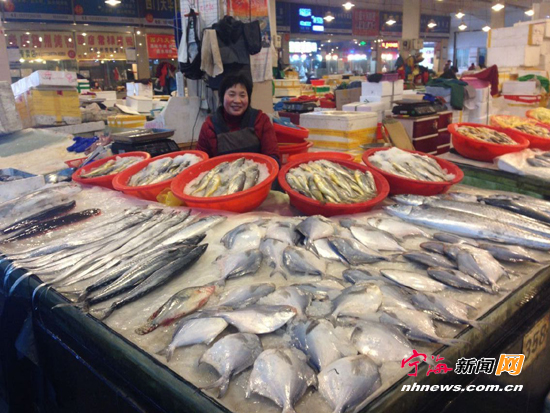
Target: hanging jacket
[190, 56]
[457, 90]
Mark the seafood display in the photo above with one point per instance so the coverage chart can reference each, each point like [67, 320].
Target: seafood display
[541, 114]
[267, 312]
[327, 181]
[163, 169]
[524, 125]
[541, 160]
[227, 178]
[481, 133]
[112, 166]
[410, 165]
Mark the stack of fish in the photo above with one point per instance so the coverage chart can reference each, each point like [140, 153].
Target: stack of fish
[112, 166]
[525, 125]
[226, 178]
[540, 160]
[481, 133]
[541, 114]
[327, 181]
[410, 165]
[163, 169]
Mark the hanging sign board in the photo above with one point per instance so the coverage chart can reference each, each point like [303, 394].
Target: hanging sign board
[42, 45]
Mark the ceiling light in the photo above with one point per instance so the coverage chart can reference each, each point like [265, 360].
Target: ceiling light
[486, 28]
[113, 2]
[138, 32]
[21, 60]
[70, 40]
[83, 34]
[40, 39]
[460, 15]
[27, 33]
[462, 26]
[391, 21]
[432, 23]
[329, 17]
[348, 5]
[498, 6]
[530, 12]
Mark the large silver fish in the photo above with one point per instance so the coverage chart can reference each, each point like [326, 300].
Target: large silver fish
[315, 227]
[244, 236]
[395, 228]
[413, 280]
[443, 308]
[273, 250]
[281, 375]
[256, 319]
[283, 231]
[354, 252]
[245, 295]
[458, 279]
[429, 259]
[291, 296]
[239, 265]
[468, 225]
[347, 382]
[372, 238]
[359, 301]
[230, 356]
[481, 265]
[302, 262]
[509, 253]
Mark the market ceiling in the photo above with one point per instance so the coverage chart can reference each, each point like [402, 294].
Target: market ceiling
[480, 9]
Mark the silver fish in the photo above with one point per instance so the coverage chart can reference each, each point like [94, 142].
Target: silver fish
[329, 287]
[245, 295]
[291, 296]
[382, 343]
[323, 249]
[245, 236]
[355, 275]
[196, 228]
[315, 227]
[354, 252]
[252, 175]
[284, 232]
[429, 259]
[508, 253]
[374, 239]
[318, 340]
[241, 264]
[194, 331]
[413, 280]
[469, 225]
[443, 308]
[453, 239]
[481, 265]
[458, 279]
[272, 250]
[359, 301]
[397, 229]
[281, 375]
[230, 356]
[433, 246]
[347, 382]
[183, 303]
[257, 319]
[394, 297]
[302, 262]
[237, 183]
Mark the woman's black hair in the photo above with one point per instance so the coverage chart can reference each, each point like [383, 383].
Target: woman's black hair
[231, 80]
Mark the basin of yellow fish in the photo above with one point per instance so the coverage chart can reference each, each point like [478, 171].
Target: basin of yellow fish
[537, 133]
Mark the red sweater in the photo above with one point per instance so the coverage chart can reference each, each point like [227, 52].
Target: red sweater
[262, 127]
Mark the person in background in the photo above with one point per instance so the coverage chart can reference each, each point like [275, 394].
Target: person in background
[235, 126]
[447, 66]
[472, 67]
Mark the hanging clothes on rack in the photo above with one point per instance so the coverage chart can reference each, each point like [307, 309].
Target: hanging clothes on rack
[189, 51]
[212, 63]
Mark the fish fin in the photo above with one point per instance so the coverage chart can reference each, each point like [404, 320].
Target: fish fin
[222, 384]
[281, 272]
[146, 328]
[167, 351]
[102, 313]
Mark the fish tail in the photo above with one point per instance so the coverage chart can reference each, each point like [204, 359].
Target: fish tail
[146, 328]
[281, 272]
[222, 384]
[102, 313]
[290, 409]
[168, 352]
[477, 324]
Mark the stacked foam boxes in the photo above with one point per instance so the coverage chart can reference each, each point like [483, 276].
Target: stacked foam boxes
[382, 92]
[338, 130]
[509, 47]
[483, 103]
[374, 107]
[47, 98]
[519, 97]
[287, 88]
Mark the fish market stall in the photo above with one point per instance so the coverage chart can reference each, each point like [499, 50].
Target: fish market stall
[188, 310]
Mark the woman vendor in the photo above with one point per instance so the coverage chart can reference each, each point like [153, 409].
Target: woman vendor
[235, 126]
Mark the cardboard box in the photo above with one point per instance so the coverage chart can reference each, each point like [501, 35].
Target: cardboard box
[140, 103]
[345, 96]
[378, 89]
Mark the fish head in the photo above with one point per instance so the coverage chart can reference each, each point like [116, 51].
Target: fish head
[399, 210]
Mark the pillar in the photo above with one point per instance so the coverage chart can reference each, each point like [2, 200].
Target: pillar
[498, 19]
[542, 10]
[411, 19]
[142, 56]
[4, 61]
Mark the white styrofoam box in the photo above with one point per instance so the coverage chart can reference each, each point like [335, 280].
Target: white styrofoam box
[479, 113]
[515, 87]
[513, 56]
[350, 107]
[371, 107]
[409, 92]
[140, 103]
[287, 91]
[385, 100]
[12, 189]
[142, 90]
[439, 91]
[509, 36]
[45, 78]
[532, 56]
[482, 95]
[130, 89]
[383, 88]
[286, 82]
[398, 87]
[397, 97]
[535, 72]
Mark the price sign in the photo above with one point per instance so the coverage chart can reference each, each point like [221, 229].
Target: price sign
[535, 340]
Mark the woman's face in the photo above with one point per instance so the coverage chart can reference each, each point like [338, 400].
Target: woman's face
[235, 100]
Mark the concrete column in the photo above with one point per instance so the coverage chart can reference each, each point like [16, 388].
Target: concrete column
[542, 10]
[4, 61]
[142, 56]
[443, 55]
[411, 19]
[498, 19]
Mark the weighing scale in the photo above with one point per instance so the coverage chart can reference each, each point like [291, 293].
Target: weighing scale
[413, 108]
[153, 141]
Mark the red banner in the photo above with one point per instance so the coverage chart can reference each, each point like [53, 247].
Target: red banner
[365, 22]
[162, 46]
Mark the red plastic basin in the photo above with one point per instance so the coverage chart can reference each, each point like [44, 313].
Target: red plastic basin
[400, 185]
[314, 156]
[535, 141]
[243, 201]
[287, 151]
[148, 192]
[107, 180]
[287, 134]
[310, 206]
[480, 150]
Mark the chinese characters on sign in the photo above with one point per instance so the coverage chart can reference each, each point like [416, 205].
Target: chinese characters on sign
[365, 22]
[159, 12]
[42, 45]
[507, 363]
[161, 46]
[100, 45]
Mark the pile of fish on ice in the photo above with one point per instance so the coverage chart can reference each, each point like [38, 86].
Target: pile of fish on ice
[382, 309]
[112, 166]
[163, 169]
